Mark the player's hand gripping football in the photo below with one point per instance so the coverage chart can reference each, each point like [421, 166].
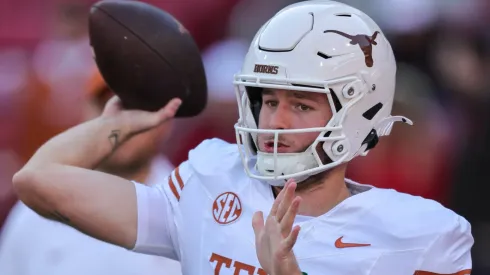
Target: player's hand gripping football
[138, 121]
[275, 239]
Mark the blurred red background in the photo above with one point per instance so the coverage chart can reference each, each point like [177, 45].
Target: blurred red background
[442, 48]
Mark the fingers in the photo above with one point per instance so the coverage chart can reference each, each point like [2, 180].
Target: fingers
[169, 110]
[285, 207]
[278, 200]
[258, 222]
[289, 217]
[277, 232]
[291, 239]
[273, 230]
[286, 200]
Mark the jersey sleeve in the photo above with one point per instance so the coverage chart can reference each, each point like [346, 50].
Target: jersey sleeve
[157, 212]
[12, 256]
[160, 207]
[450, 253]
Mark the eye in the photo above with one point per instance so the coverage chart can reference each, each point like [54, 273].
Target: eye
[271, 103]
[303, 107]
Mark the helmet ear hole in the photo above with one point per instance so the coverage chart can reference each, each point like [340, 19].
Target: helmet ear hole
[371, 112]
[255, 96]
[336, 101]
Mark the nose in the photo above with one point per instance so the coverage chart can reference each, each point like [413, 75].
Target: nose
[280, 118]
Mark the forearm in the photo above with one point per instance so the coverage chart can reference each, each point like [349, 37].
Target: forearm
[98, 204]
[58, 182]
[84, 145]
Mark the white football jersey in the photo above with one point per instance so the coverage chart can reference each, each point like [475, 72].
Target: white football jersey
[203, 216]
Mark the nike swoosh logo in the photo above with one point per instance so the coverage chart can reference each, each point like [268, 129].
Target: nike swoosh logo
[340, 244]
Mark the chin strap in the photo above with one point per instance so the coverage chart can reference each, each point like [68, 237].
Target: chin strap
[287, 163]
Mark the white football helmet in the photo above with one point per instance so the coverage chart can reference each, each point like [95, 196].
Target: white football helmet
[321, 47]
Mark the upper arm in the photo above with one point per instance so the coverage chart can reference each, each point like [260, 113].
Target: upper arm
[158, 211]
[450, 253]
[98, 204]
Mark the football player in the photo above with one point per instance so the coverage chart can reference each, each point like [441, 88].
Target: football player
[315, 91]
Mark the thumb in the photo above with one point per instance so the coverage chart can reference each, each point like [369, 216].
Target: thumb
[112, 106]
[169, 110]
[258, 222]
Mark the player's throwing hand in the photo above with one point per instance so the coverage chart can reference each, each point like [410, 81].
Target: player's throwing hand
[137, 120]
[275, 239]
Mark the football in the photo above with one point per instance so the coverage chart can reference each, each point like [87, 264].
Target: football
[147, 57]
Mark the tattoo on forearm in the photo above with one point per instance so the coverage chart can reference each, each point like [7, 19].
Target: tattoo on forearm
[59, 217]
[114, 138]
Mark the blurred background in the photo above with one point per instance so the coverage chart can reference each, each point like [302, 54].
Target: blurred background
[443, 53]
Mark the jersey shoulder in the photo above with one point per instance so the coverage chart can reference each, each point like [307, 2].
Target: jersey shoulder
[422, 223]
[212, 163]
[409, 213]
[405, 226]
[214, 156]
[444, 236]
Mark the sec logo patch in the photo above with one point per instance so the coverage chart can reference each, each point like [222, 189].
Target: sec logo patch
[227, 208]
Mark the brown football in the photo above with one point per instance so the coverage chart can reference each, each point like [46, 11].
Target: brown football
[147, 57]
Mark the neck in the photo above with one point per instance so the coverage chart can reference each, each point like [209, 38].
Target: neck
[320, 194]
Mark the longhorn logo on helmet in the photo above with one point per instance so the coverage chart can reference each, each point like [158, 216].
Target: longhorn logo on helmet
[365, 42]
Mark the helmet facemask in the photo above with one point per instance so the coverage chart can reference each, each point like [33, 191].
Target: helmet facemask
[328, 150]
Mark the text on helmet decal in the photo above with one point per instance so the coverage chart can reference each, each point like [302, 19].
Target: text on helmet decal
[266, 69]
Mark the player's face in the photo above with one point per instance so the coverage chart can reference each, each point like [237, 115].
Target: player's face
[286, 109]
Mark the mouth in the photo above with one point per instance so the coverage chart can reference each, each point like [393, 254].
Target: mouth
[269, 147]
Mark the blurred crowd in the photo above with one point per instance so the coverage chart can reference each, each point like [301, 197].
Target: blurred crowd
[443, 53]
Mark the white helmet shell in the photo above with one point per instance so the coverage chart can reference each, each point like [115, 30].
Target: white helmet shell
[323, 47]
